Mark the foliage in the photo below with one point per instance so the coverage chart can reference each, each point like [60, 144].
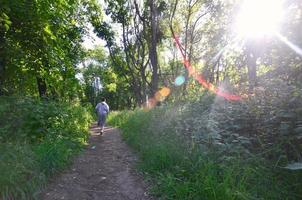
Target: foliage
[210, 43]
[199, 143]
[40, 46]
[101, 80]
[20, 175]
[182, 153]
[30, 120]
[262, 124]
[37, 139]
[135, 58]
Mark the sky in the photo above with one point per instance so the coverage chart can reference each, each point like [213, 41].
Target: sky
[91, 40]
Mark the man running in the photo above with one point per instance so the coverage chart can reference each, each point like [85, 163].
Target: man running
[102, 110]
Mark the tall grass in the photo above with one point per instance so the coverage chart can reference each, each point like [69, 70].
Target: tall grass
[180, 170]
[20, 175]
[37, 139]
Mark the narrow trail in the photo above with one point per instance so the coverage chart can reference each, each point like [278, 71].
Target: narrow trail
[103, 171]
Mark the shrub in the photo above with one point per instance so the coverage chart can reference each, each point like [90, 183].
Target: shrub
[37, 139]
[190, 152]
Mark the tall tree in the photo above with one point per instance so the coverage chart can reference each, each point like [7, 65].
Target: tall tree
[41, 45]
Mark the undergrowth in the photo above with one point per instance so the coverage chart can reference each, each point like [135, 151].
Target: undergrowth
[180, 168]
[37, 139]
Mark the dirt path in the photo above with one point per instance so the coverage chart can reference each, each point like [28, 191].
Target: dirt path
[104, 171]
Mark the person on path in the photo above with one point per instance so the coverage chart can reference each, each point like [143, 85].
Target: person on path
[102, 110]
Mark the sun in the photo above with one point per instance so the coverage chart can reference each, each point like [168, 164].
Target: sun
[258, 18]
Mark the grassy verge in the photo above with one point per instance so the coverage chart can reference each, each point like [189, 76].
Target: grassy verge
[180, 170]
[37, 139]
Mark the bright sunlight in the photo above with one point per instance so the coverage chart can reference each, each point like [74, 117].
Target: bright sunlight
[258, 18]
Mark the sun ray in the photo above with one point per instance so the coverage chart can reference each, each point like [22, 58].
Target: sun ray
[291, 45]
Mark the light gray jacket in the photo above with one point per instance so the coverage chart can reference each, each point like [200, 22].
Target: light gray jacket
[102, 108]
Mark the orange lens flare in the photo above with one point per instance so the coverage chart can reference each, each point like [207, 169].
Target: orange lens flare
[165, 92]
[159, 96]
[162, 94]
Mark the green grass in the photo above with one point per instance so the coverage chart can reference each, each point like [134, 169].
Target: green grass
[179, 171]
[37, 140]
[20, 175]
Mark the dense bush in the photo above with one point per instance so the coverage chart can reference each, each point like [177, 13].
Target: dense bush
[34, 121]
[267, 123]
[215, 149]
[37, 138]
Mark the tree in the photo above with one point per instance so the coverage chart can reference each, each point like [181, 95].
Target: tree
[41, 46]
[140, 39]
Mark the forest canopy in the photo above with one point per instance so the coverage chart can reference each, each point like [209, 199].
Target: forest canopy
[233, 49]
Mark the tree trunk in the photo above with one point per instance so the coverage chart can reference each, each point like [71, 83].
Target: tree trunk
[251, 66]
[252, 72]
[41, 87]
[217, 72]
[135, 84]
[153, 47]
[187, 57]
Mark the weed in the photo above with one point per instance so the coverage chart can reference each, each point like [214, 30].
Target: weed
[37, 139]
[179, 170]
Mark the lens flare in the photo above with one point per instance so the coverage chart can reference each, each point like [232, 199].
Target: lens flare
[179, 80]
[159, 96]
[199, 77]
[151, 103]
[162, 94]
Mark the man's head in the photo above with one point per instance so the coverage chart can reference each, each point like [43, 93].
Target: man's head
[103, 99]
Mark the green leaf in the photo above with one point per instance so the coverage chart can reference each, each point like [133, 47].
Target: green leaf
[48, 31]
